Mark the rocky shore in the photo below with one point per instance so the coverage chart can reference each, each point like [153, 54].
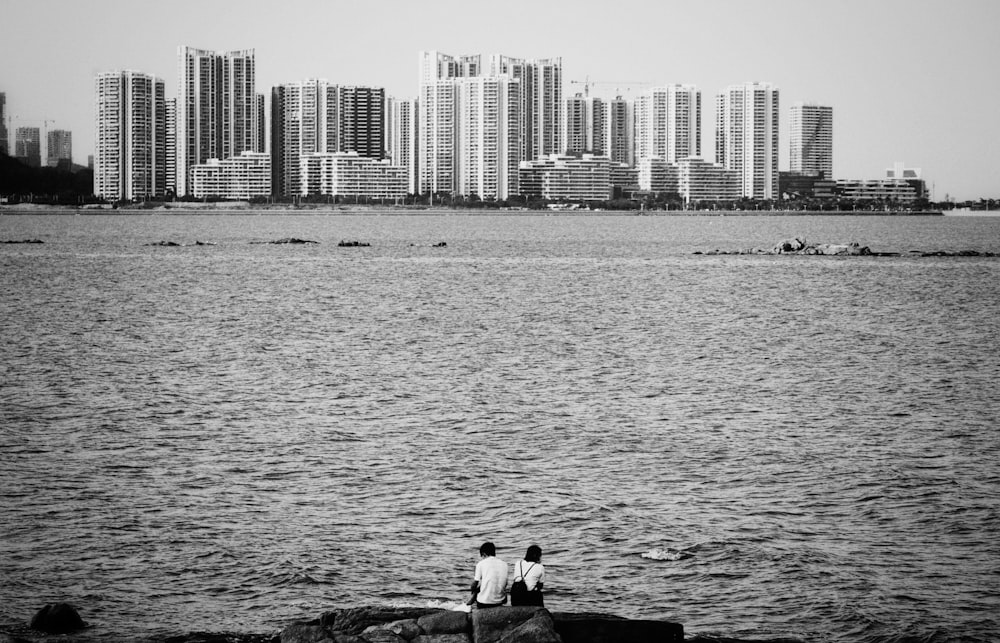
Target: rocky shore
[393, 625]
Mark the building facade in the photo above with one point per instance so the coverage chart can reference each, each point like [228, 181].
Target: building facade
[489, 136]
[811, 140]
[28, 146]
[317, 116]
[567, 178]
[130, 136]
[699, 180]
[4, 136]
[401, 135]
[668, 123]
[621, 131]
[586, 127]
[352, 175]
[240, 177]
[59, 149]
[542, 105]
[746, 137]
[218, 109]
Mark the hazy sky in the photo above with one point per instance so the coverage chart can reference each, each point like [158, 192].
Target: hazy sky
[909, 80]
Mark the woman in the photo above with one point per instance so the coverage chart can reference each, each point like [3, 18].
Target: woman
[532, 573]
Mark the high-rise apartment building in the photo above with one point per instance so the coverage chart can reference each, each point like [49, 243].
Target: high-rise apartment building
[59, 148]
[621, 131]
[668, 123]
[315, 116]
[130, 136]
[542, 102]
[362, 121]
[218, 108]
[171, 147]
[746, 137]
[446, 120]
[28, 146]
[811, 141]
[4, 137]
[401, 137]
[586, 125]
[489, 134]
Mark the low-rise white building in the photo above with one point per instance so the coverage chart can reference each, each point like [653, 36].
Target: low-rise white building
[348, 174]
[240, 177]
[699, 180]
[571, 178]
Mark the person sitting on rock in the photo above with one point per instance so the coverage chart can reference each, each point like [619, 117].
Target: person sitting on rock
[532, 573]
[489, 589]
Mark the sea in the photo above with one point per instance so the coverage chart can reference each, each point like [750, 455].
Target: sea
[233, 435]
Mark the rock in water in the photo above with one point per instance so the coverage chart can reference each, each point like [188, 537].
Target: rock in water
[57, 618]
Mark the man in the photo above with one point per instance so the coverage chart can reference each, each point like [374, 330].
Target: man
[490, 586]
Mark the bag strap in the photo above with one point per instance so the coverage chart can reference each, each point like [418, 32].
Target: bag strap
[520, 568]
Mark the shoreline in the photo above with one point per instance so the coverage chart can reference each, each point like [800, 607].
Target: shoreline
[242, 208]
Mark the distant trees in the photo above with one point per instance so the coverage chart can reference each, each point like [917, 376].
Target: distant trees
[20, 183]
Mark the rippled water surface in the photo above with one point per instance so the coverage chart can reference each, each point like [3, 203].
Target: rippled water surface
[226, 437]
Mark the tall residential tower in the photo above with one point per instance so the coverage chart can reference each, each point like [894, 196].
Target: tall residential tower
[130, 155]
[218, 108]
[746, 137]
[811, 142]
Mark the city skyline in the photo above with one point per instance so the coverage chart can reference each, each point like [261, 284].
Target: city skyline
[908, 81]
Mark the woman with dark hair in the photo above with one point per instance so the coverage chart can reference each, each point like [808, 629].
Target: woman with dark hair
[529, 574]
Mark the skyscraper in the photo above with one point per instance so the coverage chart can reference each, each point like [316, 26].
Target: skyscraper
[443, 126]
[746, 137]
[586, 125]
[28, 146]
[489, 133]
[59, 148]
[811, 142]
[4, 140]
[315, 116]
[401, 136]
[130, 136]
[621, 131]
[542, 102]
[218, 108]
[668, 123]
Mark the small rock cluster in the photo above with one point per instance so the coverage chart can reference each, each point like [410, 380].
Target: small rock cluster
[799, 246]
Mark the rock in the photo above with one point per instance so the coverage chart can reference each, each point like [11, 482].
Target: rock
[379, 634]
[492, 625]
[306, 633]
[537, 629]
[406, 628]
[443, 638]
[789, 245]
[355, 620]
[164, 243]
[445, 622]
[353, 244]
[57, 618]
[597, 628]
[25, 241]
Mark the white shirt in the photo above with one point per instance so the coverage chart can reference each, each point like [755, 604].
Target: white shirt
[491, 572]
[534, 573]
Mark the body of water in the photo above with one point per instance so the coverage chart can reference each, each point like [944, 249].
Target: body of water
[231, 436]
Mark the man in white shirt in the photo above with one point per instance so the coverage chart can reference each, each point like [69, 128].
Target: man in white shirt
[490, 586]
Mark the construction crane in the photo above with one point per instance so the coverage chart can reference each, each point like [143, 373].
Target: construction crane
[618, 84]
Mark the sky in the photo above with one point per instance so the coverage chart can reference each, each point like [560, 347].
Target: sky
[909, 80]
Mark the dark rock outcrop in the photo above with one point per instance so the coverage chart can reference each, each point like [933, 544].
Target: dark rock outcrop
[57, 618]
[24, 241]
[494, 625]
[287, 240]
[799, 246]
[353, 244]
